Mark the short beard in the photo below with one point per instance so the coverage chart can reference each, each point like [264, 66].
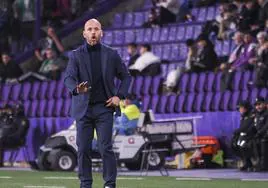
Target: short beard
[92, 43]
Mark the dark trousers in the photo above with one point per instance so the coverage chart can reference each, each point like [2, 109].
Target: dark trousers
[100, 118]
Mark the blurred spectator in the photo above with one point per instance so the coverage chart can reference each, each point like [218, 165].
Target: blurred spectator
[169, 9]
[3, 31]
[207, 58]
[260, 62]
[247, 53]
[133, 53]
[266, 26]
[146, 64]
[153, 20]
[263, 15]
[191, 55]
[51, 41]
[249, 15]
[201, 3]
[9, 70]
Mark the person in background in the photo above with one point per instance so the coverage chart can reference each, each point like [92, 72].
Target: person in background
[153, 20]
[133, 53]
[169, 9]
[9, 70]
[147, 64]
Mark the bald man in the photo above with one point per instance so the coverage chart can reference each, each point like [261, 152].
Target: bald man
[90, 76]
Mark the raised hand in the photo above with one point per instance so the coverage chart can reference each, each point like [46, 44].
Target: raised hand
[82, 87]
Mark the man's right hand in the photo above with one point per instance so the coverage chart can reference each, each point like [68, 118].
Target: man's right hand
[82, 87]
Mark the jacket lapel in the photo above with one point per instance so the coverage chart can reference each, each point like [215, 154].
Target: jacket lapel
[87, 62]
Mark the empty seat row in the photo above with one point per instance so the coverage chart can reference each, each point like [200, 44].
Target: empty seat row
[200, 102]
[36, 90]
[152, 35]
[136, 19]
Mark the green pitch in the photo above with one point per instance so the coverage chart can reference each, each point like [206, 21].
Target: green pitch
[34, 179]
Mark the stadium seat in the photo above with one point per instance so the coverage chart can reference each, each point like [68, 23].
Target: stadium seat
[245, 79]
[108, 37]
[166, 52]
[174, 52]
[15, 92]
[156, 34]
[118, 20]
[145, 103]
[66, 107]
[35, 90]
[202, 14]
[43, 90]
[209, 81]
[161, 106]
[129, 36]
[41, 108]
[199, 97]
[179, 103]
[180, 33]
[234, 101]
[215, 104]
[192, 82]
[26, 88]
[146, 86]
[6, 91]
[118, 37]
[147, 35]
[189, 103]
[183, 83]
[52, 87]
[172, 34]
[236, 81]
[139, 35]
[139, 19]
[155, 85]
[128, 19]
[217, 83]
[171, 103]
[200, 84]
[58, 108]
[189, 32]
[164, 34]
[206, 104]
[225, 99]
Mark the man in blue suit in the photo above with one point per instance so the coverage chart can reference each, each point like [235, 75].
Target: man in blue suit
[90, 76]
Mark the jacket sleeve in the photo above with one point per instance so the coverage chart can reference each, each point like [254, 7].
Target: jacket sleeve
[122, 74]
[71, 75]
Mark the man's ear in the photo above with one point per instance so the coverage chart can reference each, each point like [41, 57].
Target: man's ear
[101, 33]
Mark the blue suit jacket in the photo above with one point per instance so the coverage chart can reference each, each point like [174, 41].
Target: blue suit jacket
[78, 70]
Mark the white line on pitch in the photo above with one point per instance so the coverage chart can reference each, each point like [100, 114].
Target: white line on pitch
[126, 178]
[61, 178]
[39, 186]
[5, 177]
[195, 179]
[254, 179]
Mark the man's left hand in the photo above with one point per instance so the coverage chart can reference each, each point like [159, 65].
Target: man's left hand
[113, 102]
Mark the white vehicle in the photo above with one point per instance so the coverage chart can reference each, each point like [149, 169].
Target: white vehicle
[148, 148]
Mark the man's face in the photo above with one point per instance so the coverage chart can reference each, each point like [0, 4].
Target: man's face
[247, 39]
[260, 107]
[49, 54]
[5, 59]
[92, 32]
[260, 2]
[238, 38]
[261, 39]
[242, 110]
[131, 50]
[143, 50]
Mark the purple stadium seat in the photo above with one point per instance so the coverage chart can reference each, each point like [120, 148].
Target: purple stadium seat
[171, 103]
[226, 48]
[118, 20]
[244, 95]
[43, 90]
[206, 104]
[26, 106]
[183, 51]
[153, 103]
[155, 85]
[146, 86]
[6, 91]
[210, 13]
[148, 35]
[179, 103]
[198, 102]
[33, 108]
[59, 91]
[172, 66]
[35, 90]
[225, 99]
[125, 53]
[183, 82]
[189, 103]
[189, 32]
[66, 107]
[108, 37]
[58, 108]
[156, 34]
[197, 31]
[253, 95]
[245, 79]
[164, 34]
[161, 106]
[263, 93]
[41, 108]
[129, 36]
[137, 87]
[172, 34]
[236, 80]
[147, 4]
[118, 37]
[234, 101]
[26, 88]
[192, 82]
[217, 83]
[210, 81]
[200, 85]
[174, 52]
[51, 89]
[164, 70]
[180, 33]
[50, 108]
[218, 47]
[202, 14]
[215, 103]
[139, 35]
[194, 12]
[139, 19]
[157, 50]
[15, 92]
[128, 19]
[131, 85]
[145, 103]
